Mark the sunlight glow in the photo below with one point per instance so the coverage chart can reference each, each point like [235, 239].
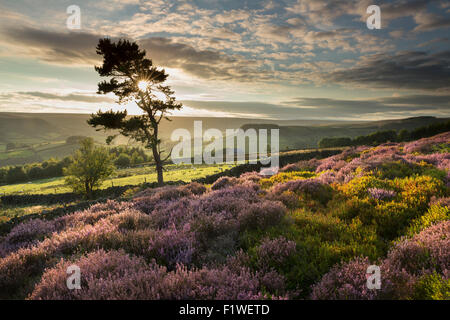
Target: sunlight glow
[143, 85]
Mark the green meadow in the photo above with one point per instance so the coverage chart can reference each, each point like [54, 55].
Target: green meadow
[122, 177]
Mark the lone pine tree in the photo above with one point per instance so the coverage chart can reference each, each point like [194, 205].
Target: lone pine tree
[132, 77]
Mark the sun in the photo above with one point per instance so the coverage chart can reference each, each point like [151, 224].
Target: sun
[143, 85]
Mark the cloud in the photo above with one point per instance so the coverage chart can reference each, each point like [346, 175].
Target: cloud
[325, 108]
[206, 64]
[73, 48]
[68, 48]
[433, 41]
[67, 97]
[404, 70]
[429, 21]
[283, 46]
[38, 101]
[323, 12]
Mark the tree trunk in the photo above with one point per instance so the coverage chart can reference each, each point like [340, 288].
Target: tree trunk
[88, 190]
[159, 166]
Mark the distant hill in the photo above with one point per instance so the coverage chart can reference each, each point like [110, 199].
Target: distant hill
[307, 136]
[46, 134]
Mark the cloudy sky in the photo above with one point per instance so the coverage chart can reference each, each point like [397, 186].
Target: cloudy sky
[296, 59]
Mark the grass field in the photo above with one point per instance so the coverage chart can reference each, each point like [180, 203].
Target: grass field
[10, 212]
[38, 152]
[133, 176]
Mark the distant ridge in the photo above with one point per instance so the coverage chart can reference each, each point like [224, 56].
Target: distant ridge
[52, 129]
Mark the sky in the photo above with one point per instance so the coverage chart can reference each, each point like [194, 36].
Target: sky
[296, 59]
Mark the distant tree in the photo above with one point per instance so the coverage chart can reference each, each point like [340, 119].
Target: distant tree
[334, 142]
[75, 139]
[376, 138]
[136, 158]
[16, 174]
[66, 161]
[3, 174]
[123, 161]
[132, 77]
[403, 135]
[35, 172]
[90, 167]
[431, 130]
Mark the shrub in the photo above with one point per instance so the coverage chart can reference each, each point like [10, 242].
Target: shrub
[172, 246]
[25, 235]
[224, 182]
[250, 176]
[288, 198]
[261, 215]
[18, 268]
[426, 253]
[286, 176]
[345, 282]
[443, 202]
[435, 214]
[104, 275]
[432, 287]
[123, 161]
[426, 144]
[381, 194]
[307, 187]
[290, 168]
[115, 275]
[238, 241]
[194, 188]
[275, 253]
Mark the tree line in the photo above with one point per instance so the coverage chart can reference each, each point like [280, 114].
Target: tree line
[123, 156]
[379, 137]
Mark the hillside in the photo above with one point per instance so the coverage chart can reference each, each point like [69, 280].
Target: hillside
[45, 134]
[309, 232]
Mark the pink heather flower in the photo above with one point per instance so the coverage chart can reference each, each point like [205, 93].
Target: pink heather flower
[381, 194]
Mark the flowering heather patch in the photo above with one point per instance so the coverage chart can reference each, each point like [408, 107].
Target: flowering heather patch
[301, 186]
[261, 215]
[147, 200]
[224, 182]
[331, 164]
[427, 253]
[443, 202]
[288, 198]
[426, 145]
[424, 254]
[285, 177]
[345, 282]
[231, 241]
[32, 232]
[116, 275]
[290, 168]
[17, 267]
[381, 194]
[274, 253]
[172, 246]
[194, 188]
[327, 177]
[309, 188]
[250, 176]
[25, 235]
[104, 275]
